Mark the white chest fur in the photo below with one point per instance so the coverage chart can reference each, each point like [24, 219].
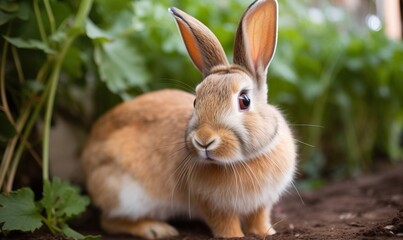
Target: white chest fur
[238, 200]
[135, 202]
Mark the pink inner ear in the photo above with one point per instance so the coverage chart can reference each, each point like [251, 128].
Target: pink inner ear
[261, 30]
[191, 45]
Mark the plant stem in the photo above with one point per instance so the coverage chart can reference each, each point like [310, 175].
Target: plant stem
[5, 162]
[39, 21]
[11, 156]
[18, 65]
[52, 227]
[49, 110]
[51, 17]
[82, 14]
[17, 154]
[27, 132]
[9, 152]
[43, 72]
[53, 81]
[4, 101]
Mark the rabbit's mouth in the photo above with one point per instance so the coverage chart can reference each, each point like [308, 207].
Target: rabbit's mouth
[206, 157]
[209, 158]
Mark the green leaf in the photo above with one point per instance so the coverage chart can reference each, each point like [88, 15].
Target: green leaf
[8, 6]
[7, 130]
[59, 36]
[24, 11]
[109, 9]
[19, 212]
[72, 203]
[5, 17]
[30, 44]
[121, 66]
[92, 237]
[96, 33]
[10, 10]
[69, 232]
[63, 200]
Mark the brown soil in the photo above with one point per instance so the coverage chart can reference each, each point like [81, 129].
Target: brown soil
[368, 207]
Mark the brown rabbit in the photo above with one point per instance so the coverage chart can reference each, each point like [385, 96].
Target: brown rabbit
[224, 155]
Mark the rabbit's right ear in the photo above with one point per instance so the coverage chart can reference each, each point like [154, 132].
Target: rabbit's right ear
[202, 45]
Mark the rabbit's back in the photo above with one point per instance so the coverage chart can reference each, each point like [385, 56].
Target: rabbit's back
[159, 107]
[141, 141]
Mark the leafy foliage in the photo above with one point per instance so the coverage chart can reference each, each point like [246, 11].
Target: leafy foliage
[60, 203]
[13, 10]
[30, 44]
[58, 197]
[345, 79]
[19, 212]
[38, 84]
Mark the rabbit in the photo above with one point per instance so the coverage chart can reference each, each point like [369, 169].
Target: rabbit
[223, 155]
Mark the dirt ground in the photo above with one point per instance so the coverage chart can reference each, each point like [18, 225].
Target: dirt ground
[367, 207]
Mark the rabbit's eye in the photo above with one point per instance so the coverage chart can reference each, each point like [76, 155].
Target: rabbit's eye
[194, 103]
[244, 101]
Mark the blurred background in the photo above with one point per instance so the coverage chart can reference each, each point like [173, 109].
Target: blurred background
[337, 76]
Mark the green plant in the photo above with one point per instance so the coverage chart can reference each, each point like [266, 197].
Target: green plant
[60, 202]
[346, 81]
[41, 91]
[52, 38]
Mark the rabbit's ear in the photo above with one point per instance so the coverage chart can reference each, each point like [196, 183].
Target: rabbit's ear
[256, 38]
[202, 45]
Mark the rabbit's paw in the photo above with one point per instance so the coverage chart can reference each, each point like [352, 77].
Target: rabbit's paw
[155, 230]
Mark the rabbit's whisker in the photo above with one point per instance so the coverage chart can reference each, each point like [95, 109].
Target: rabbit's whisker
[162, 146]
[236, 182]
[306, 125]
[180, 173]
[300, 197]
[252, 175]
[174, 82]
[241, 187]
[189, 178]
[307, 144]
[174, 152]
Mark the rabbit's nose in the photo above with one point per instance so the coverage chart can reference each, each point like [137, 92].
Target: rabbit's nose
[205, 145]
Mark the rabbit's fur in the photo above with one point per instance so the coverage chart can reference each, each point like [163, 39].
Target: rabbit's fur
[224, 155]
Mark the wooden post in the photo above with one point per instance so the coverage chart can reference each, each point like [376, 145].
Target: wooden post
[393, 19]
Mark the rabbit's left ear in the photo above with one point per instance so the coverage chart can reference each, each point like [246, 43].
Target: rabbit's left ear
[256, 38]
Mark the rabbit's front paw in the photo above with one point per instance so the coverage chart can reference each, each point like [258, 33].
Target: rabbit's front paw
[155, 230]
[148, 229]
